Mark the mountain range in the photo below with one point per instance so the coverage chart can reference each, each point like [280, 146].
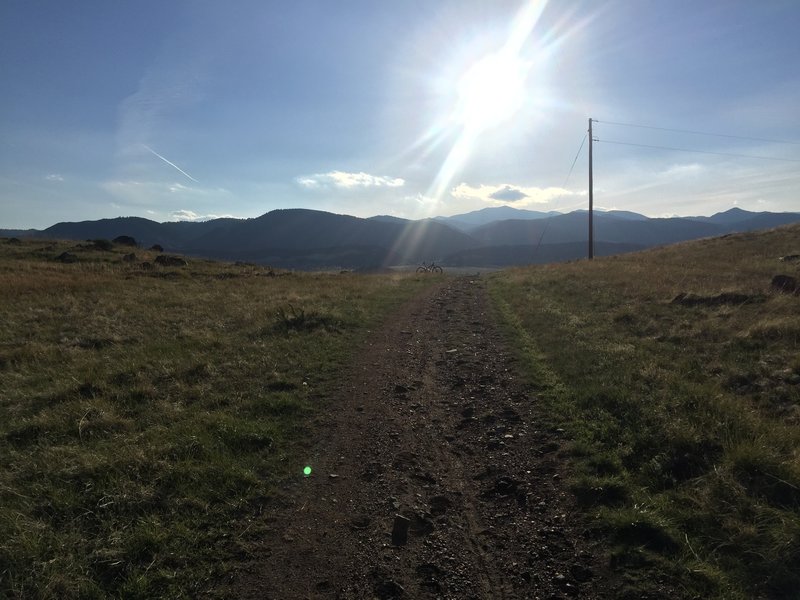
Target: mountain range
[497, 236]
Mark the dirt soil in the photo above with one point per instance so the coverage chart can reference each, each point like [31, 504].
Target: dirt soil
[432, 477]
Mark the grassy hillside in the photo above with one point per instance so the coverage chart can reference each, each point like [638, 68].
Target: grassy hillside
[147, 413]
[683, 411]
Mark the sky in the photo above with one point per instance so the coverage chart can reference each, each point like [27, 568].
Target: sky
[196, 109]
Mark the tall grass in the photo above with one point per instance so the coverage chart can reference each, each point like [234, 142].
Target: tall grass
[685, 418]
[147, 415]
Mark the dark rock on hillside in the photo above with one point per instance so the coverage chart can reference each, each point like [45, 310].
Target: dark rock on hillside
[170, 261]
[156, 248]
[104, 245]
[67, 257]
[729, 298]
[785, 284]
[129, 257]
[124, 240]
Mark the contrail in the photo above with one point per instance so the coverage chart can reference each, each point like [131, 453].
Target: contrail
[171, 164]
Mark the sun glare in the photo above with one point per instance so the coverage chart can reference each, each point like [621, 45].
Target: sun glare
[491, 91]
[488, 93]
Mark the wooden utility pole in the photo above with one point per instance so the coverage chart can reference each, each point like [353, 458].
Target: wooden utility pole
[591, 197]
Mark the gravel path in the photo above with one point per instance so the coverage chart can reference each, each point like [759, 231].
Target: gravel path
[431, 476]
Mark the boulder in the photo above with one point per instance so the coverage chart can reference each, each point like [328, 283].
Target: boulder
[124, 240]
[170, 261]
[785, 284]
[100, 245]
[66, 257]
[729, 298]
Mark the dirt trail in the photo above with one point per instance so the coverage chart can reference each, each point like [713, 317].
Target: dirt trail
[433, 433]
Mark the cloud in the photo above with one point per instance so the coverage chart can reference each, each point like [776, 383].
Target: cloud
[345, 180]
[511, 194]
[174, 81]
[54, 177]
[179, 187]
[422, 200]
[684, 170]
[190, 215]
[162, 199]
[127, 187]
[508, 194]
[142, 188]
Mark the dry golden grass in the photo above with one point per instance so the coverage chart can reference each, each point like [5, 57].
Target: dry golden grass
[147, 415]
[685, 416]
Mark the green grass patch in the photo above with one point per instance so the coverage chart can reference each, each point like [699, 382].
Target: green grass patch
[675, 373]
[148, 412]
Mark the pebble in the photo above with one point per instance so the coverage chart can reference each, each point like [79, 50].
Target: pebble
[400, 530]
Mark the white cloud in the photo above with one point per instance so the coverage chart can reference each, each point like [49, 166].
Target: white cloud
[512, 195]
[345, 180]
[54, 177]
[173, 81]
[165, 200]
[190, 215]
[685, 170]
[125, 187]
[422, 200]
[142, 190]
[184, 215]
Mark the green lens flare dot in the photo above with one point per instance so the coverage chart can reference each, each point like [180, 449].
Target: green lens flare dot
[306, 471]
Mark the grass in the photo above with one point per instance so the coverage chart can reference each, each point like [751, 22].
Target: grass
[146, 415]
[684, 416]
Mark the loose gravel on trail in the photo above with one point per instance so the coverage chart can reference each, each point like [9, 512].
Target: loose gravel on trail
[432, 476]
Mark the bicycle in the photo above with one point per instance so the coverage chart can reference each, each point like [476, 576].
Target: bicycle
[430, 268]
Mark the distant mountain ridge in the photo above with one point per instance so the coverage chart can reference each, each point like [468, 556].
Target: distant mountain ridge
[496, 236]
[491, 214]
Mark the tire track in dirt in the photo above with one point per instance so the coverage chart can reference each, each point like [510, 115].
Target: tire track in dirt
[432, 478]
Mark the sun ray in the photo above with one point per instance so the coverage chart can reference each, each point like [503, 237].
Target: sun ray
[490, 92]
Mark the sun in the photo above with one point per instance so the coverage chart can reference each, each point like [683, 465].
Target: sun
[491, 91]
[488, 93]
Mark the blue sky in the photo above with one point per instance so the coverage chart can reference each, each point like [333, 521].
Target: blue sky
[195, 109]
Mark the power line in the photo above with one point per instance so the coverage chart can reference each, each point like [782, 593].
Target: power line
[547, 221]
[574, 161]
[724, 135]
[699, 151]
